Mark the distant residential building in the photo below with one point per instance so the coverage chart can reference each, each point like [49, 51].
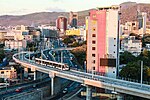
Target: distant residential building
[131, 45]
[8, 73]
[103, 41]
[83, 34]
[73, 32]
[21, 28]
[2, 35]
[148, 27]
[48, 33]
[14, 40]
[61, 24]
[13, 44]
[78, 32]
[47, 27]
[130, 27]
[73, 19]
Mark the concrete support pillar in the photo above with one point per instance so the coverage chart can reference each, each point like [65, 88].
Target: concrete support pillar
[52, 85]
[120, 97]
[88, 92]
[26, 72]
[55, 83]
[52, 75]
[34, 72]
[34, 75]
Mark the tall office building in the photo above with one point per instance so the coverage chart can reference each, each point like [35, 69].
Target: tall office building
[73, 19]
[142, 18]
[103, 41]
[61, 24]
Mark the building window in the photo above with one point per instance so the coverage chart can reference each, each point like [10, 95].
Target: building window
[93, 68]
[94, 15]
[93, 55]
[114, 45]
[93, 35]
[2, 72]
[93, 48]
[93, 61]
[114, 52]
[93, 42]
[94, 28]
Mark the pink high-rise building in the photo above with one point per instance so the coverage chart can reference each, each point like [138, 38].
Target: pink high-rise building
[61, 24]
[102, 41]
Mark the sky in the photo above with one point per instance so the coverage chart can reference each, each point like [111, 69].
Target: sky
[21, 7]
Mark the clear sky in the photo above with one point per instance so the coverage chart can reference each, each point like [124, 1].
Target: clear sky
[20, 7]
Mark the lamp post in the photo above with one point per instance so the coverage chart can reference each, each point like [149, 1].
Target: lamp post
[29, 54]
[93, 68]
[22, 53]
[6, 83]
[41, 55]
[141, 73]
[18, 47]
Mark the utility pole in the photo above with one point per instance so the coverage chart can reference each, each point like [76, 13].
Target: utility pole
[18, 48]
[141, 73]
[58, 42]
[61, 58]
[93, 68]
[22, 53]
[29, 55]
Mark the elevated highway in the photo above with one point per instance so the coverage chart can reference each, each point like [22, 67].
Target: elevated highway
[120, 86]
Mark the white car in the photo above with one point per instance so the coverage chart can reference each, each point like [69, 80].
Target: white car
[65, 90]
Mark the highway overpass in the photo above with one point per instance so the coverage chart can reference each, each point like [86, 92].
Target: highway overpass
[120, 86]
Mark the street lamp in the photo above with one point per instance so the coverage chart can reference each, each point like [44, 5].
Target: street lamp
[41, 55]
[22, 53]
[6, 83]
[141, 72]
[29, 54]
[93, 69]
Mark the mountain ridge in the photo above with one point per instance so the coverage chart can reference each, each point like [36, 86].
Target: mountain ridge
[128, 13]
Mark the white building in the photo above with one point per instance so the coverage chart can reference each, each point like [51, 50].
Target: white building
[131, 45]
[14, 40]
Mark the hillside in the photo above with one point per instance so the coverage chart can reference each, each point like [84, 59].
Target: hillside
[34, 18]
[128, 13]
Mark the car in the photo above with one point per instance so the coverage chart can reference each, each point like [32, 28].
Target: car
[65, 90]
[34, 85]
[18, 89]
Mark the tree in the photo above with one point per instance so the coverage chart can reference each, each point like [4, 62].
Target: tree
[80, 54]
[2, 45]
[144, 56]
[133, 70]
[145, 40]
[126, 57]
